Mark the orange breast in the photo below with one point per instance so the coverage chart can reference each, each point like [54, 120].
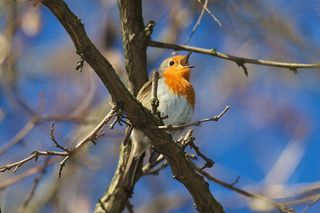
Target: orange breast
[179, 83]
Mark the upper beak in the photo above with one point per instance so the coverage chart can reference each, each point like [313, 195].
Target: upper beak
[185, 60]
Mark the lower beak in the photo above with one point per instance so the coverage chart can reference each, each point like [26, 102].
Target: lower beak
[185, 60]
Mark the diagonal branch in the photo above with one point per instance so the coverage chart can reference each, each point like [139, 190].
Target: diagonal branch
[196, 25]
[209, 12]
[280, 206]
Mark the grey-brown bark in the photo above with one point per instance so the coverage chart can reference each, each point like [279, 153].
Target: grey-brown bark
[134, 43]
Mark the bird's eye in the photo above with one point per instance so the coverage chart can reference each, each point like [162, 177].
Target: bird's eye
[171, 63]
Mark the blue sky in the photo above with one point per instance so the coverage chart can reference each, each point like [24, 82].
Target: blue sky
[270, 108]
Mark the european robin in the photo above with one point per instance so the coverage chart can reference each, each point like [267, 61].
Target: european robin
[176, 104]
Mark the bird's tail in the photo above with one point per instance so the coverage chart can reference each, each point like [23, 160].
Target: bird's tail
[130, 172]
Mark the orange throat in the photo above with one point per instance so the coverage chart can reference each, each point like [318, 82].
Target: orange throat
[178, 82]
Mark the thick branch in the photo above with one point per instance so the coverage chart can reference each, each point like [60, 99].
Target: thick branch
[134, 43]
[240, 61]
[139, 116]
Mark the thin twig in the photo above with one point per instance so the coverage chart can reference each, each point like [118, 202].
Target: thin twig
[196, 123]
[91, 137]
[129, 206]
[63, 118]
[52, 137]
[188, 140]
[33, 156]
[18, 137]
[102, 206]
[280, 206]
[36, 120]
[150, 165]
[315, 200]
[154, 91]
[196, 25]
[36, 183]
[67, 153]
[17, 178]
[210, 13]
[240, 61]
[209, 163]
[157, 170]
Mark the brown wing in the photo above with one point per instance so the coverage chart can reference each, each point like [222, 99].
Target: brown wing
[144, 94]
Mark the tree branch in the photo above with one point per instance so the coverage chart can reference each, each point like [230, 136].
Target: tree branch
[66, 153]
[134, 43]
[240, 61]
[280, 206]
[138, 115]
[196, 123]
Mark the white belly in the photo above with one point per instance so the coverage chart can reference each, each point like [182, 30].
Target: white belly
[177, 108]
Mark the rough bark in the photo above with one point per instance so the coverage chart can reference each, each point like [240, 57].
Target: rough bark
[134, 43]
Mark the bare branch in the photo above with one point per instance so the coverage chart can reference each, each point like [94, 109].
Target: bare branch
[36, 183]
[17, 138]
[52, 137]
[102, 206]
[188, 140]
[15, 179]
[280, 206]
[240, 61]
[210, 13]
[196, 123]
[157, 170]
[67, 153]
[91, 137]
[196, 25]
[154, 91]
[33, 122]
[34, 156]
[314, 201]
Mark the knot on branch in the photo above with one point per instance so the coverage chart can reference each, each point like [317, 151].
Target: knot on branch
[80, 63]
[154, 98]
[293, 69]
[241, 63]
[119, 114]
[149, 29]
[213, 52]
[188, 140]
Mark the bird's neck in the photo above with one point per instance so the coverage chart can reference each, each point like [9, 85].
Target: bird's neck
[182, 74]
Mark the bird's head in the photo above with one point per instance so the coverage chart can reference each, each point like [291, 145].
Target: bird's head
[176, 66]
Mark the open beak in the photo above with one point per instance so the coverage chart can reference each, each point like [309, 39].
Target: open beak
[185, 60]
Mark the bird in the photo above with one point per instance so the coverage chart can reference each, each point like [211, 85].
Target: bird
[176, 105]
